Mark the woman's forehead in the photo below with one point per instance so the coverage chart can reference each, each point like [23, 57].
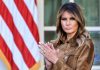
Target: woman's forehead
[68, 14]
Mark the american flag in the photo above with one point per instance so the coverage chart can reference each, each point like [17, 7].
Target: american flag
[19, 34]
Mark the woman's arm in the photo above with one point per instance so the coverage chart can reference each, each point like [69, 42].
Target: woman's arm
[86, 57]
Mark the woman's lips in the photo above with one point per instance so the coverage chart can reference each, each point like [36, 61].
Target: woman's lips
[68, 28]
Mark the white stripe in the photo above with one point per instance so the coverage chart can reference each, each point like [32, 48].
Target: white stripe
[33, 9]
[7, 36]
[71, 1]
[0, 26]
[93, 28]
[23, 30]
[96, 67]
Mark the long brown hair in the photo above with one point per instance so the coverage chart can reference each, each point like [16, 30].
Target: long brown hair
[74, 9]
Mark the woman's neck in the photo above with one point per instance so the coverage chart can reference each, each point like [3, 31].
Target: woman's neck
[70, 35]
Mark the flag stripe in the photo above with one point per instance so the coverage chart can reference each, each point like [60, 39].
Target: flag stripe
[8, 37]
[23, 30]
[32, 9]
[28, 18]
[17, 38]
[6, 51]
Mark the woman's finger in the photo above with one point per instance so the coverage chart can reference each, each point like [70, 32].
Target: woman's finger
[42, 44]
[51, 45]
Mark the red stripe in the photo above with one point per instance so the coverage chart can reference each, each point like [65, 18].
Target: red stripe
[35, 2]
[7, 53]
[29, 60]
[28, 18]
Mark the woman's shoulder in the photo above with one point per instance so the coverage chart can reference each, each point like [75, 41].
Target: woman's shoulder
[85, 39]
[86, 45]
[89, 43]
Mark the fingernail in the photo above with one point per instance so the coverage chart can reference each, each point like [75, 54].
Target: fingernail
[40, 42]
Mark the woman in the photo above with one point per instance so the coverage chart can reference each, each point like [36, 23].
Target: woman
[73, 49]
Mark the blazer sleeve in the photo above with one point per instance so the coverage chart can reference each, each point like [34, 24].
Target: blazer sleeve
[86, 57]
[62, 66]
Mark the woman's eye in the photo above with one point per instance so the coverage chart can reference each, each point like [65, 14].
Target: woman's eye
[63, 19]
[72, 18]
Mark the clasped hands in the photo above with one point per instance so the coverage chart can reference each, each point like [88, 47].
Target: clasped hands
[49, 52]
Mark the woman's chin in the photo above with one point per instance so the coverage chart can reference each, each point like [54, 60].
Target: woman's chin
[69, 32]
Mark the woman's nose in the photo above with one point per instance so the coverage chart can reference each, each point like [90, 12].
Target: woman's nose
[67, 22]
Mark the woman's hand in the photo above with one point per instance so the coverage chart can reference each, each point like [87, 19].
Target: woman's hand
[49, 52]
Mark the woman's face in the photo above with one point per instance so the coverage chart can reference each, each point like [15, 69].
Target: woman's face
[68, 23]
